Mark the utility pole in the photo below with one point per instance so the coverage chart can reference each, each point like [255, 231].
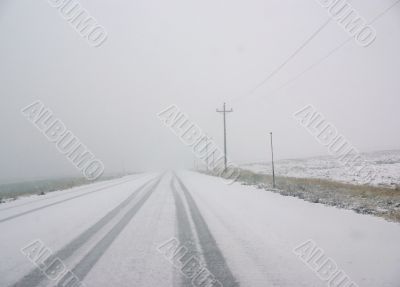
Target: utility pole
[224, 111]
[272, 161]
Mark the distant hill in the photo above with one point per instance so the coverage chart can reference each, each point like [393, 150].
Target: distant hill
[386, 166]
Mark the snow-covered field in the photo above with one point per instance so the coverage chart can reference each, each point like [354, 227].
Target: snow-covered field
[386, 165]
[110, 233]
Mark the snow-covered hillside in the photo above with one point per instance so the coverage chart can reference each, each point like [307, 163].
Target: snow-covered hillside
[386, 165]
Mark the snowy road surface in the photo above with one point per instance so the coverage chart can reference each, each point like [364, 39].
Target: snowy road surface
[182, 229]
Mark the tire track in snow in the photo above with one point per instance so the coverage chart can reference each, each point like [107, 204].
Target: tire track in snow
[60, 201]
[185, 233]
[78, 188]
[215, 261]
[35, 277]
[148, 235]
[86, 264]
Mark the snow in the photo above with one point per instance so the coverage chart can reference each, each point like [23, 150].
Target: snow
[33, 198]
[56, 225]
[133, 259]
[386, 165]
[255, 230]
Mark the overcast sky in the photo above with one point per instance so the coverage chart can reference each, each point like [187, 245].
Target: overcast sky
[195, 54]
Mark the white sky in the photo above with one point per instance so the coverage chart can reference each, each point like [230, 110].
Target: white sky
[195, 54]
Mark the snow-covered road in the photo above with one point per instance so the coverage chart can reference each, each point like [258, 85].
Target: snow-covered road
[184, 228]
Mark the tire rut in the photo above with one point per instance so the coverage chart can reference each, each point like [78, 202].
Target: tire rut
[213, 256]
[185, 233]
[86, 264]
[36, 276]
[78, 189]
[59, 202]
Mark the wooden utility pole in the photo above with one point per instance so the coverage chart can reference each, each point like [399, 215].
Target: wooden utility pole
[224, 111]
[272, 161]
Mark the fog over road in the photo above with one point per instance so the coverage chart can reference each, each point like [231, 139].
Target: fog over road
[189, 229]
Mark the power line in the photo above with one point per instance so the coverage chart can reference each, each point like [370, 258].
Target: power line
[294, 54]
[297, 51]
[330, 53]
[384, 12]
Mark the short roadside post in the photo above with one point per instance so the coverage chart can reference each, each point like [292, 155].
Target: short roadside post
[272, 161]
